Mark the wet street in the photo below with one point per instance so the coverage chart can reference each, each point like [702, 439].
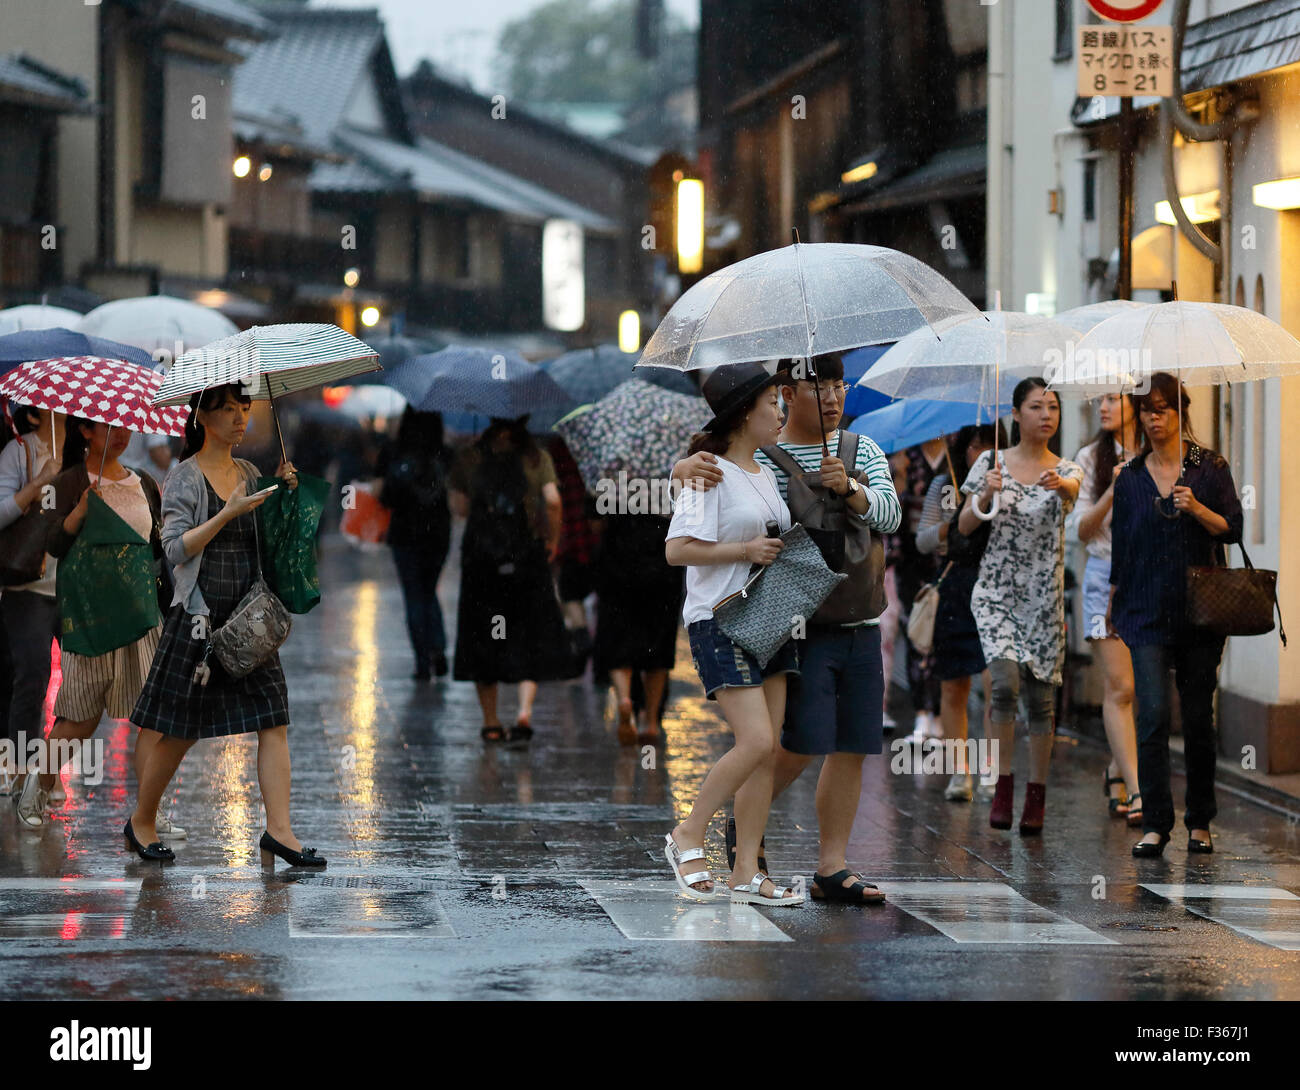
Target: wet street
[462, 872]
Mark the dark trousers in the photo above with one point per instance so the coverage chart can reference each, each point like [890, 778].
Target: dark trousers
[418, 569]
[31, 622]
[1196, 669]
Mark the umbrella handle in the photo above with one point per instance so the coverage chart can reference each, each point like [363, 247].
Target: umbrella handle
[985, 516]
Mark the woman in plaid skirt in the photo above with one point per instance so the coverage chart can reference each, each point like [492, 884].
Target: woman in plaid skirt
[209, 536]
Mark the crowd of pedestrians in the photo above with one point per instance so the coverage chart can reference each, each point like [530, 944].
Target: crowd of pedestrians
[978, 519]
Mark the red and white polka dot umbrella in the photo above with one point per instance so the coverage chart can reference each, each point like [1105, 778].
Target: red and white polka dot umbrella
[106, 391]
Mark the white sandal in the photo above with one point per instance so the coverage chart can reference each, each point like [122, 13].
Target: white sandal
[676, 857]
[749, 893]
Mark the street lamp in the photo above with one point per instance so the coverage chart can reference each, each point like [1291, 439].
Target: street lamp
[370, 316]
[264, 173]
[242, 166]
[352, 277]
[1279, 194]
[690, 225]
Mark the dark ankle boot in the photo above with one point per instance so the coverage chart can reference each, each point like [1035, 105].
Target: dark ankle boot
[1031, 820]
[1000, 813]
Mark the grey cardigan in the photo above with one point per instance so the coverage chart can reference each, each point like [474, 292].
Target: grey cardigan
[185, 506]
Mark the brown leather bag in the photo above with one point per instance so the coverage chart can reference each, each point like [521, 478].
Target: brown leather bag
[846, 541]
[22, 542]
[1234, 601]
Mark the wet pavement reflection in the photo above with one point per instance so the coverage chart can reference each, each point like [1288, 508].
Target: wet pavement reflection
[493, 872]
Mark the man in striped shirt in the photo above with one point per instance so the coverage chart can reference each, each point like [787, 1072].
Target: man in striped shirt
[835, 706]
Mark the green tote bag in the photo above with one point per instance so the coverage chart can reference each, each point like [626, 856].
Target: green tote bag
[106, 586]
[288, 521]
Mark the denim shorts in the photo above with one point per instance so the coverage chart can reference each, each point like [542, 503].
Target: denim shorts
[722, 664]
[1096, 596]
[836, 705]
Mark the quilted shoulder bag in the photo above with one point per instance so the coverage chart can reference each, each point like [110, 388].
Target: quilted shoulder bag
[22, 542]
[254, 631]
[925, 610]
[1234, 601]
[763, 614]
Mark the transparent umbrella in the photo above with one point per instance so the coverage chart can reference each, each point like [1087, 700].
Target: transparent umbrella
[967, 359]
[801, 300]
[1085, 317]
[1203, 344]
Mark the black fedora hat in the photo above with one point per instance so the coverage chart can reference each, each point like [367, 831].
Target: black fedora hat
[729, 389]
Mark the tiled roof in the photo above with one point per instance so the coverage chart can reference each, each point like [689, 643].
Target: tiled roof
[28, 81]
[311, 68]
[383, 165]
[238, 18]
[1241, 43]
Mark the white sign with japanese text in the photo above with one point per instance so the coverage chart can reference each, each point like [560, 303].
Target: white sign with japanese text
[1124, 60]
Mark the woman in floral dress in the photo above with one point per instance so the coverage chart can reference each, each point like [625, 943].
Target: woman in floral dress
[1019, 597]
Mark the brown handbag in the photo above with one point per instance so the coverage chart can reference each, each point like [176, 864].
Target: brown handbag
[22, 542]
[1234, 601]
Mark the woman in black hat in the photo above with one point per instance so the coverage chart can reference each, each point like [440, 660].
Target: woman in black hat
[718, 535]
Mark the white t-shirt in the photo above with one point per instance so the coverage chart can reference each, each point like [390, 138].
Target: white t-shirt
[737, 509]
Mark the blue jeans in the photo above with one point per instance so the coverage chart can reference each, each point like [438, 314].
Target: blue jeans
[1196, 667]
[418, 569]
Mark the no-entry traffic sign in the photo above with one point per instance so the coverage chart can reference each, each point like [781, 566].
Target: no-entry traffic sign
[1124, 11]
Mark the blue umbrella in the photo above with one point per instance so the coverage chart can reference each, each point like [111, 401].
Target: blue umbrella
[914, 420]
[857, 362]
[589, 374]
[44, 344]
[462, 379]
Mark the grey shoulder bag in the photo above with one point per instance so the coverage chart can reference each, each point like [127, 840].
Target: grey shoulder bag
[763, 614]
[254, 631]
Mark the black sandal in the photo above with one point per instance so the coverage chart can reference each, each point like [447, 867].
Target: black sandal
[520, 732]
[495, 733]
[730, 837]
[1113, 802]
[831, 887]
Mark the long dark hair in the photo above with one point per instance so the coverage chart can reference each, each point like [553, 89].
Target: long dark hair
[1105, 460]
[1172, 392]
[964, 438]
[419, 433]
[1023, 389]
[74, 442]
[212, 398]
[520, 438]
[717, 442]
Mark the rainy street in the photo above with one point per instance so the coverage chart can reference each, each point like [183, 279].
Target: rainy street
[457, 871]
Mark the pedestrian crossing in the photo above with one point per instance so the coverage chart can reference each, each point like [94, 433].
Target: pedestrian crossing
[970, 914]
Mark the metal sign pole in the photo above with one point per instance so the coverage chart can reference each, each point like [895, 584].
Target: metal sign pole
[1124, 285]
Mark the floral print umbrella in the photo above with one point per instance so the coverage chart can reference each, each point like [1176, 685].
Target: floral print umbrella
[639, 429]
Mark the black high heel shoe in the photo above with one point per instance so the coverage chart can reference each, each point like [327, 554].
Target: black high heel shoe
[156, 852]
[1199, 847]
[1146, 850]
[272, 847]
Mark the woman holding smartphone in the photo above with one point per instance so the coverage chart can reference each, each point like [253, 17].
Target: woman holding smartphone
[210, 537]
[718, 535]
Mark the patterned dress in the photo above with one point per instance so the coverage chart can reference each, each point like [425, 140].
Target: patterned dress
[1019, 598]
[171, 702]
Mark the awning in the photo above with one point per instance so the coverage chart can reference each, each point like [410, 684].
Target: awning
[949, 175]
[28, 82]
[1153, 260]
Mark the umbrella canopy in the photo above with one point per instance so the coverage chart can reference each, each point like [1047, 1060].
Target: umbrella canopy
[1203, 343]
[158, 323]
[639, 429]
[394, 351]
[588, 374]
[963, 359]
[269, 361]
[802, 299]
[36, 316]
[44, 344]
[460, 379]
[860, 399]
[107, 391]
[1083, 318]
[902, 424]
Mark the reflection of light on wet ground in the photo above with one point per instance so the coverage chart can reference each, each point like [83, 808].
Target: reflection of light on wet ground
[690, 731]
[230, 788]
[359, 704]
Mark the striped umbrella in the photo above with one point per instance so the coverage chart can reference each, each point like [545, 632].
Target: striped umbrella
[269, 361]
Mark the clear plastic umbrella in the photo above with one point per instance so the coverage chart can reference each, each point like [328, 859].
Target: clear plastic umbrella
[1085, 317]
[802, 300]
[967, 359]
[1204, 344]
